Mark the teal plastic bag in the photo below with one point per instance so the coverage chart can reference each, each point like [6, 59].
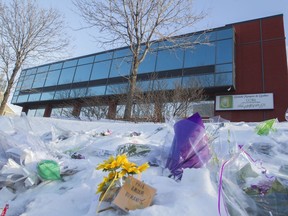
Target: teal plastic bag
[49, 170]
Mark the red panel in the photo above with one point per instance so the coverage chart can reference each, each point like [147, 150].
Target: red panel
[273, 27]
[276, 75]
[248, 65]
[247, 32]
[248, 68]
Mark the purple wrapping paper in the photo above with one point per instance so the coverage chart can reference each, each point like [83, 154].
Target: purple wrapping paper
[190, 146]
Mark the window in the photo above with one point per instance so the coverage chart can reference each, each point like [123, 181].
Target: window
[66, 75]
[223, 79]
[70, 63]
[43, 69]
[56, 66]
[86, 60]
[223, 68]
[200, 55]
[47, 96]
[122, 53]
[100, 70]
[117, 89]
[96, 90]
[34, 97]
[22, 98]
[145, 85]
[199, 81]
[82, 73]
[120, 67]
[52, 78]
[166, 84]
[62, 94]
[39, 80]
[224, 52]
[104, 56]
[31, 71]
[39, 112]
[225, 34]
[78, 93]
[148, 64]
[27, 83]
[169, 59]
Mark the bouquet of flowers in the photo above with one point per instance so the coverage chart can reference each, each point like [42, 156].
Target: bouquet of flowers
[118, 168]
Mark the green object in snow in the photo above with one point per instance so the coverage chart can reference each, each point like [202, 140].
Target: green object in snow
[49, 170]
[265, 127]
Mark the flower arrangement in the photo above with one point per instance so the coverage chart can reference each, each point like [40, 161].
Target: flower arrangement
[119, 168]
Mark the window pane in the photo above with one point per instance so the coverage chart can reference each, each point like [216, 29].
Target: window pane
[14, 99]
[223, 68]
[27, 83]
[200, 81]
[22, 98]
[148, 65]
[39, 80]
[39, 112]
[224, 52]
[120, 67]
[52, 78]
[86, 60]
[18, 86]
[223, 79]
[117, 89]
[63, 94]
[200, 55]
[103, 56]
[169, 59]
[56, 112]
[47, 96]
[23, 73]
[66, 75]
[225, 33]
[31, 112]
[31, 71]
[82, 73]
[145, 85]
[43, 69]
[78, 93]
[56, 66]
[122, 53]
[100, 70]
[96, 90]
[70, 63]
[34, 97]
[166, 84]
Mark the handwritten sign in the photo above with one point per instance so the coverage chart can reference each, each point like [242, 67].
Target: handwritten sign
[134, 194]
[245, 102]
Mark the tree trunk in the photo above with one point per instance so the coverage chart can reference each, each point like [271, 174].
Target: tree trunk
[9, 87]
[130, 96]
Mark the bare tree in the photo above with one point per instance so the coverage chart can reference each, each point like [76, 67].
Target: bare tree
[28, 33]
[137, 24]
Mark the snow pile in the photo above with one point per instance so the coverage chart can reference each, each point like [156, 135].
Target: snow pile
[78, 147]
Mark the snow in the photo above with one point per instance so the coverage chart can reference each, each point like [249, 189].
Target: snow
[37, 139]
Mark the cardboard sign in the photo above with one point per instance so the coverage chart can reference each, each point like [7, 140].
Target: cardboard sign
[134, 194]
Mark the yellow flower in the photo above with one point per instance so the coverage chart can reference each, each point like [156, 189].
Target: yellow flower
[143, 167]
[101, 186]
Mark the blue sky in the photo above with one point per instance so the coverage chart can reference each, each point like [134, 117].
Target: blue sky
[219, 13]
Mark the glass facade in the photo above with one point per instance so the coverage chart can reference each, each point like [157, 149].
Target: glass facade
[206, 65]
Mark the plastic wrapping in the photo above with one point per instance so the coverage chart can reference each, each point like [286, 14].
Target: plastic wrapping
[190, 146]
[254, 179]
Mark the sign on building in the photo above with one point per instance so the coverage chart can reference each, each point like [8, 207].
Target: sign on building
[245, 102]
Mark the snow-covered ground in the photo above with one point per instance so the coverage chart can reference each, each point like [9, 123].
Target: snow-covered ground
[30, 140]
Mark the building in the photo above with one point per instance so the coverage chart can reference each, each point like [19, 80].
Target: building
[243, 69]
